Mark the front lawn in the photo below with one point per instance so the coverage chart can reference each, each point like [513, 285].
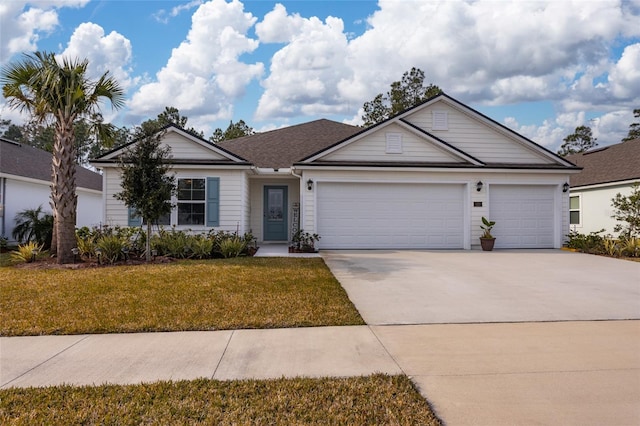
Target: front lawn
[188, 295]
[374, 400]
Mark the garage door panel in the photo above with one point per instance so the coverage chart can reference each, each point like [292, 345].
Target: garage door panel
[366, 215]
[524, 215]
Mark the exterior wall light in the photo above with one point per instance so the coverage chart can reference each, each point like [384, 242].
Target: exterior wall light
[479, 186]
[565, 187]
[309, 184]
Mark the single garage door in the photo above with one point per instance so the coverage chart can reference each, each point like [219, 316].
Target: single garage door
[384, 215]
[524, 215]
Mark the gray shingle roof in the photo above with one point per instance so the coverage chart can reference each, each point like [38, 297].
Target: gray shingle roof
[612, 163]
[283, 147]
[27, 161]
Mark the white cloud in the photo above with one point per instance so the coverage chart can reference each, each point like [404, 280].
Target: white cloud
[625, 75]
[164, 16]
[305, 74]
[23, 22]
[111, 52]
[204, 74]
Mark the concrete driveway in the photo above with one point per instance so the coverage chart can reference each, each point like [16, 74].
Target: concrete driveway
[435, 287]
[506, 337]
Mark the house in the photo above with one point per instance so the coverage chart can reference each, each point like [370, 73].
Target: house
[606, 172]
[25, 176]
[421, 179]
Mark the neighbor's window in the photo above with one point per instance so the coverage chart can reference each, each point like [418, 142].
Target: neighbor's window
[191, 201]
[574, 210]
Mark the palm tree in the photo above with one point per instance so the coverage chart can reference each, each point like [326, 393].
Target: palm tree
[33, 225]
[60, 93]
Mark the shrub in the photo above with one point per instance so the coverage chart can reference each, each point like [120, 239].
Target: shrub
[25, 252]
[201, 246]
[110, 247]
[612, 247]
[592, 243]
[631, 247]
[172, 243]
[232, 247]
[34, 225]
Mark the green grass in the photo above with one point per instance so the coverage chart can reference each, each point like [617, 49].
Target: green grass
[189, 295]
[373, 400]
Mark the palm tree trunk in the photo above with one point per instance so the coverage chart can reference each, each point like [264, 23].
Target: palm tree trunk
[63, 191]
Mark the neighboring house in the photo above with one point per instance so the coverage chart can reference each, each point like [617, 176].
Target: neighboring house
[421, 179]
[25, 177]
[606, 172]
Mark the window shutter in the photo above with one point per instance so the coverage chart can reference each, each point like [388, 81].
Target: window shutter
[133, 218]
[213, 201]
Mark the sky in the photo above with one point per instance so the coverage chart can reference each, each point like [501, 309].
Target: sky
[541, 68]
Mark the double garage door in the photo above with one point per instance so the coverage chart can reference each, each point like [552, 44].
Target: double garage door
[383, 215]
[429, 216]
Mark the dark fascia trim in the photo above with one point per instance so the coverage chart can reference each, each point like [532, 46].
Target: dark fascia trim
[190, 162]
[439, 165]
[604, 183]
[3, 139]
[502, 126]
[165, 127]
[453, 148]
[365, 129]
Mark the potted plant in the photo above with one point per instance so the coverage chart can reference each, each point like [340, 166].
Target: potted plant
[486, 239]
[303, 242]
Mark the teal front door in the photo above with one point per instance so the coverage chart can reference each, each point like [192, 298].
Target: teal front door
[275, 213]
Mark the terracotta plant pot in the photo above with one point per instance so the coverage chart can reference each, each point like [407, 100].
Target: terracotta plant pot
[487, 243]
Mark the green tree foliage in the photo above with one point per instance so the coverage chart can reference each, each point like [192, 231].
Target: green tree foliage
[60, 93]
[634, 128]
[33, 225]
[170, 115]
[234, 131]
[406, 93]
[580, 140]
[146, 184]
[627, 210]
[11, 131]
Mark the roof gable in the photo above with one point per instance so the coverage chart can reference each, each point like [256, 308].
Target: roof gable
[185, 147]
[395, 141]
[613, 163]
[33, 163]
[451, 127]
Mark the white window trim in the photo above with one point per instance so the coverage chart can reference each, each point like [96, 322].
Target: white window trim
[579, 210]
[176, 202]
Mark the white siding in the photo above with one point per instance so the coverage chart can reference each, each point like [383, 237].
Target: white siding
[596, 209]
[256, 186]
[23, 194]
[476, 138]
[183, 148]
[373, 148]
[232, 197]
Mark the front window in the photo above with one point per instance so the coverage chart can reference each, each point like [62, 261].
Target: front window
[574, 210]
[191, 201]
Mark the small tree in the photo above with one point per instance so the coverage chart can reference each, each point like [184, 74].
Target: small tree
[146, 185]
[627, 209]
[579, 141]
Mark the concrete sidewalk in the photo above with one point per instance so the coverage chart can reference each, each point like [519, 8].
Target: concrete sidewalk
[223, 355]
[570, 373]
